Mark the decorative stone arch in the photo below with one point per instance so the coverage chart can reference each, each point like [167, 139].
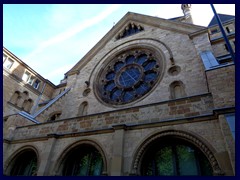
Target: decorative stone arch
[82, 110]
[159, 50]
[138, 42]
[60, 161]
[54, 115]
[9, 163]
[15, 97]
[177, 90]
[186, 136]
[27, 105]
[25, 95]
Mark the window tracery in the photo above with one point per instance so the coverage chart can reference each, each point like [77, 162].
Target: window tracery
[129, 76]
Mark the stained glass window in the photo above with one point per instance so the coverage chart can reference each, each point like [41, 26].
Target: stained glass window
[130, 76]
[25, 165]
[83, 161]
[175, 160]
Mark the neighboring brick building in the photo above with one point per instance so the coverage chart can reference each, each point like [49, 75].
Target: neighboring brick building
[152, 97]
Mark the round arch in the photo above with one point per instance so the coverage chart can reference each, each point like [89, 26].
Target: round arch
[73, 147]
[23, 151]
[176, 134]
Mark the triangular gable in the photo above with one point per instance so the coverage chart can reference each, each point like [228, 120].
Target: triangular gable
[135, 20]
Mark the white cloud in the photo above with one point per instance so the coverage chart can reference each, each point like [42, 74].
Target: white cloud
[59, 72]
[74, 30]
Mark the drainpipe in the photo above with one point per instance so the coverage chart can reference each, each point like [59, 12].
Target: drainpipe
[223, 33]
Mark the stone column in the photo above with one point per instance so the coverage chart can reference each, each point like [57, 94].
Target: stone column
[45, 164]
[117, 156]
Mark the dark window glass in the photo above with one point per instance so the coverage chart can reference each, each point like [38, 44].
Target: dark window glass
[36, 84]
[128, 74]
[130, 59]
[228, 30]
[149, 65]
[128, 95]
[150, 76]
[214, 31]
[175, 160]
[110, 76]
[109, 86]
[25, 164]
[129, 77]
[116, 94]
[118, 66]
[84, 161]
[143, 88]
[141, 59]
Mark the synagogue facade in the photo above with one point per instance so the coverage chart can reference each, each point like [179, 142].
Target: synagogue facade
[153, 97]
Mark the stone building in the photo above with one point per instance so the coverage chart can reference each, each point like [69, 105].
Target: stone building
[153, 97]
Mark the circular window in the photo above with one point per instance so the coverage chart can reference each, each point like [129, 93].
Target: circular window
[129, 76]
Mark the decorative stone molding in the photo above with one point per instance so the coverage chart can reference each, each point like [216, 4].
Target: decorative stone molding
[129, 30]
[59, 163]
[181, 135]
[10, 161]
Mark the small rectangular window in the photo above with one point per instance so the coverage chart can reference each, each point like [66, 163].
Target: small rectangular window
[8, 63]
[228, 30]
[26, 76]
[231, 123]
[36, 84]
[30, 80]
[214, 31]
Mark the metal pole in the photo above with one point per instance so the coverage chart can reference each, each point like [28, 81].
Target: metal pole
[224, 34]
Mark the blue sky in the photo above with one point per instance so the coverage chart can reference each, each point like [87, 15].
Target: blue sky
[52, 38]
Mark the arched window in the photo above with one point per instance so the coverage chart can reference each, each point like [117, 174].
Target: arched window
[83, 109]
[27, 105]
[55, 116]
[85, 160]
[177, 90]
[25, 164]
[25, 95]
[174, 157]
[15, 97]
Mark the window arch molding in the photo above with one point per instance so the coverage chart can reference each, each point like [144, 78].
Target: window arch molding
[54, 115]
[177, 90]
[139, 47]
[63, 156]
[11, 160]
[83, 108]
[206, 149]
[15, 97]
[156, 44]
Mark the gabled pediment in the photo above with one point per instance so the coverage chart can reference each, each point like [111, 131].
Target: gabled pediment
[133, 23]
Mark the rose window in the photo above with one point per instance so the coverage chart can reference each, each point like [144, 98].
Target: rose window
[128, 77]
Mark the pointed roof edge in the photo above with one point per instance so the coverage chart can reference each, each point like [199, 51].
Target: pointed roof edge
[186, 28]
[27, 66]
[223, 18]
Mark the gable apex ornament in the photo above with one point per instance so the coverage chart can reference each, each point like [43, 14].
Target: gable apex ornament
[129, 30]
